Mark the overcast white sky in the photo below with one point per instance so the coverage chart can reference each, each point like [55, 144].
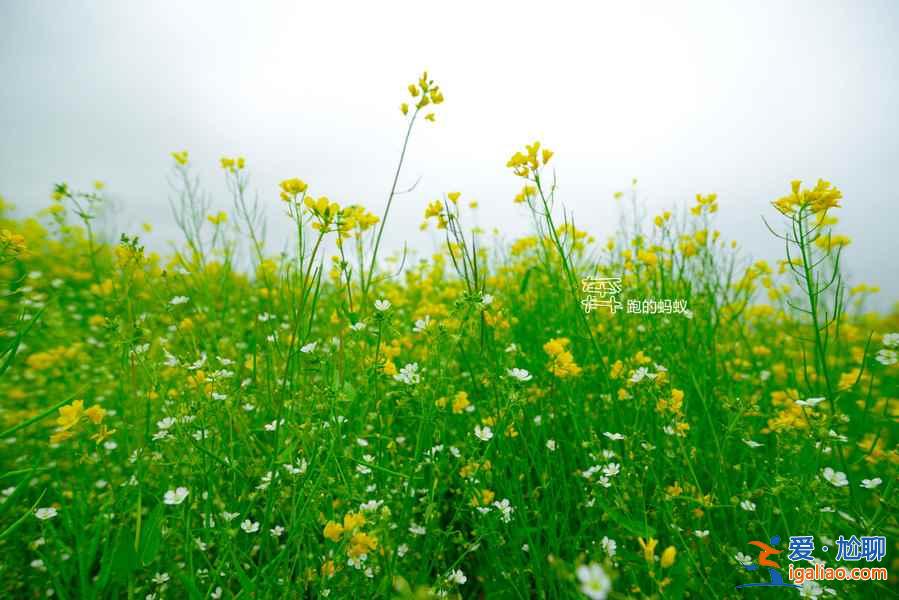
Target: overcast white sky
[726, 97]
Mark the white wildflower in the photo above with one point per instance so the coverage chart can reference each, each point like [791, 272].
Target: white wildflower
[595, 584]
[176, 496]
[485, 434]
[45, 513]
[519, 374]
[408, 375]
[457, 577]
[835, 478]
[250, 526]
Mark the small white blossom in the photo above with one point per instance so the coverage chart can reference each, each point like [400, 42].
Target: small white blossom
[639, 375]
[595, 584]
[485, 434]
[457, 577]
[519, 374]
[609, 546]
[614, 436]
[371, 505]
[810, 589]
[45, 513]
[422, 324]
[382, 305]
[179, 300]
[891, 340]
[274, 425]
[810, 403]
[176, 496]
[871, 483]
[505, 509]
[747, 505]
[250, 526]
[310, 347]
[887, 357]
[199, 363]
[408, 374]
[165, 423]
[835, 478]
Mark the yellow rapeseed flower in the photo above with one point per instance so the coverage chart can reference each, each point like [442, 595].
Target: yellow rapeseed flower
[333, 531]
[353, 521]
[649, 548]
[95, 414]
[70, 415]
[668, 556]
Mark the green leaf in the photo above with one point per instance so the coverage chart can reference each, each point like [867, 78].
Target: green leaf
[124, 559]
[12, 350]
[634, 526]
[9, 530]
[151, 537]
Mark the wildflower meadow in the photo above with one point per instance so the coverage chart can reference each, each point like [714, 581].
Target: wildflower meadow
[553, 416]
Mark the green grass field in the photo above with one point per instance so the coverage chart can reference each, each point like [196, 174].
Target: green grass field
[230, 421]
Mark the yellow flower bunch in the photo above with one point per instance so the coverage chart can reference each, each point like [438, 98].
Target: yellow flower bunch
[816, 200]
[435, 210]
[60, 191]
[180, 157]
[661, 219]
[232, 164]
[425, 92]
[707, 204]
[828, 242]
[484, 498]
[354, 220]
[526, 164]
[71, 416]
[359, 542]
[13, 243]
[460, 402]
[561, 361]
[324, 211]
[674, 404]
[526, 193]
[218, 219]
[291, 188]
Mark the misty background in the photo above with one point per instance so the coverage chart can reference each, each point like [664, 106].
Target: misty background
[736, 99]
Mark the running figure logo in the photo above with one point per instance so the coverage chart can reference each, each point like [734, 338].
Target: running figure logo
[764, 552]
